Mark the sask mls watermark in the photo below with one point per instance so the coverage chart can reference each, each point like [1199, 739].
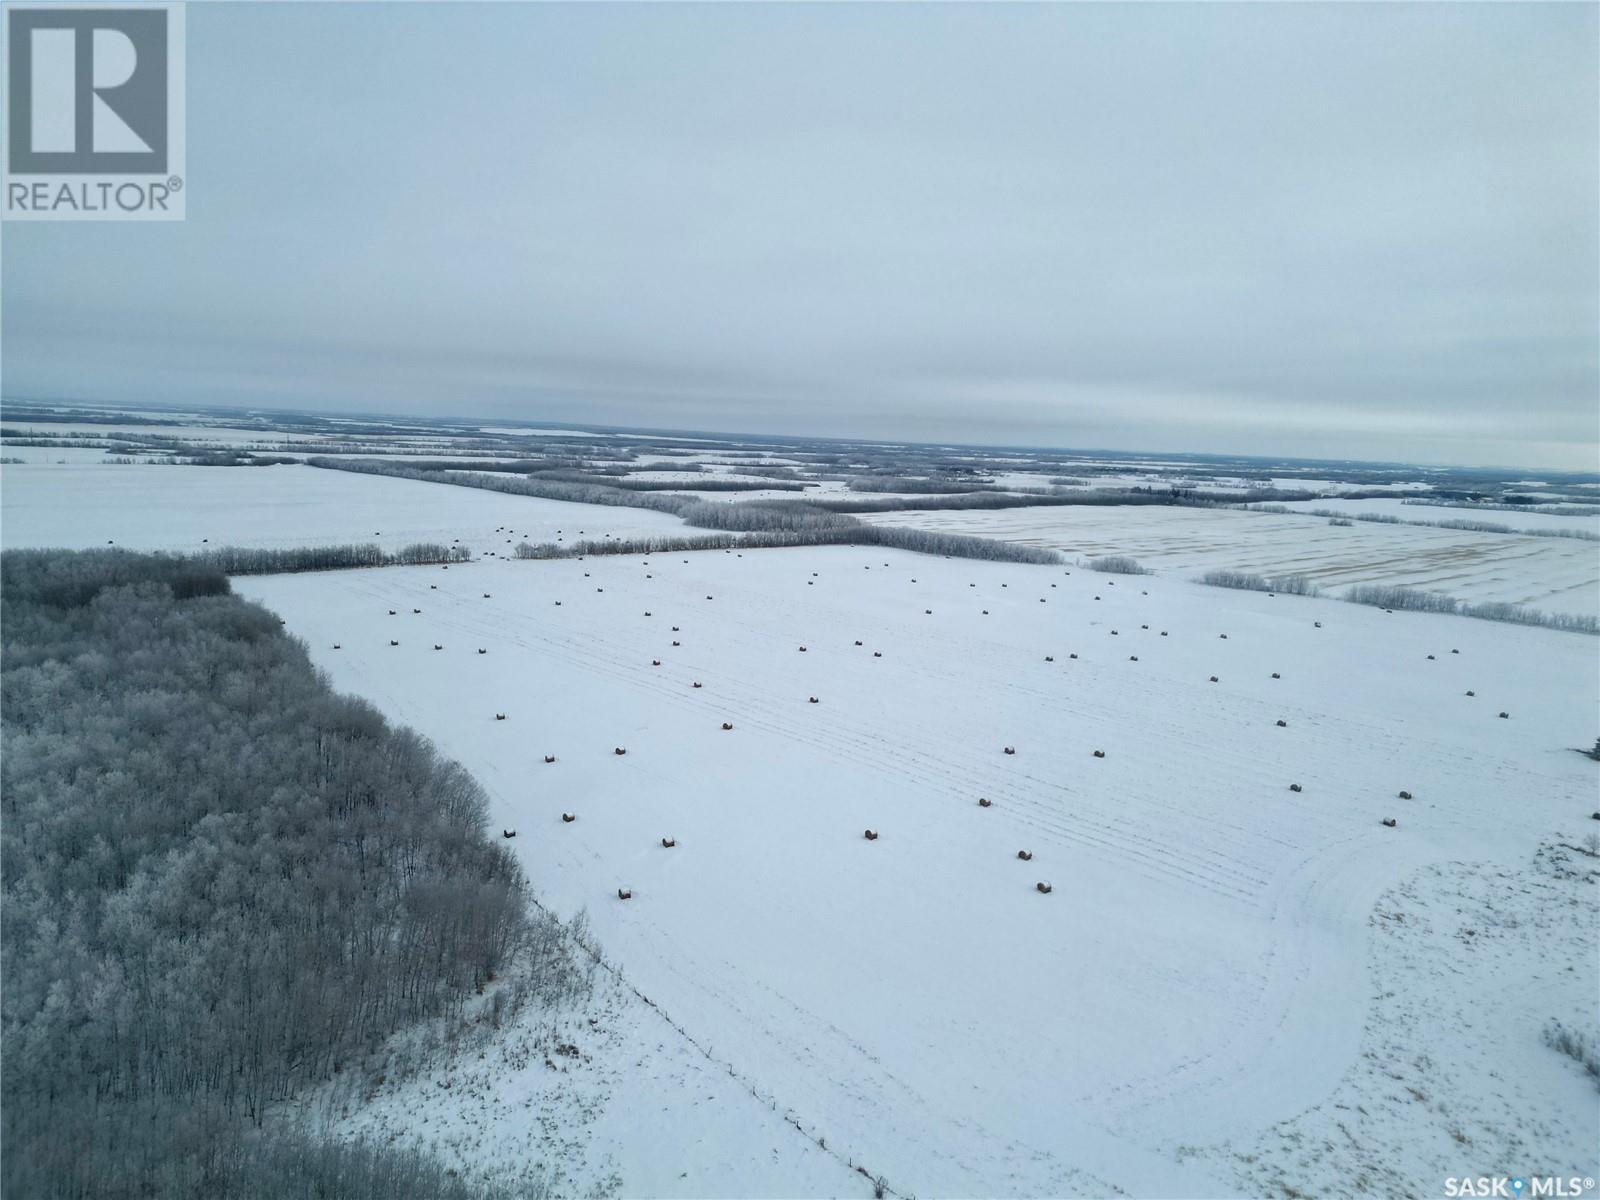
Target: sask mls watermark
[94, 122]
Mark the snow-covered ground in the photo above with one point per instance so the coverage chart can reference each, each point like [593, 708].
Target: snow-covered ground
[596, 1097]
[1469, 963]
[1182, 1016]
[1556, 574]
[190, 508]
[1510, 518]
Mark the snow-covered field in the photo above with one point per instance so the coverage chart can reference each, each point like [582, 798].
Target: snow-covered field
[1556, 574]
[1213, 982]
[1510, 518]
[189, 508]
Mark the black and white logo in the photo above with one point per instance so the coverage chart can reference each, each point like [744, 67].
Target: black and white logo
[94, 112]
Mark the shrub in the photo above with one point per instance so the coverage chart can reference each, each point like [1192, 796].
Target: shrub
[1289, 585]
[1575, 1045]
[1401, 598]
[1416, 600]
[1116, 564]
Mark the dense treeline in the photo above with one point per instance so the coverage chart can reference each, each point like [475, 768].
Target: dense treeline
[226, 458]
[223, 882]
[917, 485]
[920, 541]
[247, 560]
[619, 479]
[956, 545]
[667, 545]
[992, 500]
[766, 516]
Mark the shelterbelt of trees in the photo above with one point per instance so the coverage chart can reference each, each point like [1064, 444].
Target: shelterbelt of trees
[223, 883]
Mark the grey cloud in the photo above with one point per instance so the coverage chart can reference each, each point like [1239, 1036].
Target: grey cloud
[1341, 230]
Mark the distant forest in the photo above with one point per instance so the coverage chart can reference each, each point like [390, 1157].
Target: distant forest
[223, 884]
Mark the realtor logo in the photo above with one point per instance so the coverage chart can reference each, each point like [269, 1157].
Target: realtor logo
[94, 113]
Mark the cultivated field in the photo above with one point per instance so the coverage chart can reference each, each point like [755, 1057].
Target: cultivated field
[1556, 574]
[1204, 967]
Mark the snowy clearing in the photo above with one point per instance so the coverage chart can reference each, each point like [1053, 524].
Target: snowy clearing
[189, 508]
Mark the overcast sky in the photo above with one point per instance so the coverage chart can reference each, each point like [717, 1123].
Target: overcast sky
[1337, 231]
